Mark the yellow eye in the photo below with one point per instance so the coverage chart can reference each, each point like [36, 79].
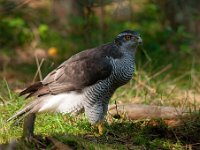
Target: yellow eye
[127, 37]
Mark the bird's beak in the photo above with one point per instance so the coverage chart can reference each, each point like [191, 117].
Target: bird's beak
[139, 40]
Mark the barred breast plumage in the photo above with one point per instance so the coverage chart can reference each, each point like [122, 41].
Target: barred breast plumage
[98, 95]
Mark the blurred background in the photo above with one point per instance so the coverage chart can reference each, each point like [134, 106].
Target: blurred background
[38, 34]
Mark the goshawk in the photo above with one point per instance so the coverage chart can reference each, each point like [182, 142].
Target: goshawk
[84, 82]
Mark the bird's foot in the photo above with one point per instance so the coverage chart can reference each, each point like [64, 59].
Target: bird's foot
[100, 127]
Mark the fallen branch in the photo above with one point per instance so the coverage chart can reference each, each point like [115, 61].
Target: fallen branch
[139, 112]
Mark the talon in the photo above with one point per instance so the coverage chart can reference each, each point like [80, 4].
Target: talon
[100, 128]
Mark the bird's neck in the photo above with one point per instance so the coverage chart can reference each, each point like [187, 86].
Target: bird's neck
[128, 51]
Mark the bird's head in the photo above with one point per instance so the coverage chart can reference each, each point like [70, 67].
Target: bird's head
[128, 39]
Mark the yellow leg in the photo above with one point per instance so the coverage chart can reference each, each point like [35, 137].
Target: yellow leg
[100, 128]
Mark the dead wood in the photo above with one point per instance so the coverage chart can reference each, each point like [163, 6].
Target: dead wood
[170, 115]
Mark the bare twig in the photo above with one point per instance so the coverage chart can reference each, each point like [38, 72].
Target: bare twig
[3, 101]
[59, 145]
[116, 108]
[180, 77]
[144, 83]
[161, 71]
[12, 6]
[38, 68]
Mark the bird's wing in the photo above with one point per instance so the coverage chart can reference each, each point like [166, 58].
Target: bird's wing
[81, 70]
[76, 75]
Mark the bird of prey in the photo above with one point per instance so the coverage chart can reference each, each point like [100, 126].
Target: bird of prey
[85, 82]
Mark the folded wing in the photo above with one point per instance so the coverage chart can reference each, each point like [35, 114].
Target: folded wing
[73, 75]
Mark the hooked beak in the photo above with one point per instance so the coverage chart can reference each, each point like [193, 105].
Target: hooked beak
[139, 40]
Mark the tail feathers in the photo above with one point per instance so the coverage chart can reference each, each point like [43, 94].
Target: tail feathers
[26, 110]
[33, 107]
[64, 103]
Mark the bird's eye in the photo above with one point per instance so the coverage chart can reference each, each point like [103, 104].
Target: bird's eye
[127, 37]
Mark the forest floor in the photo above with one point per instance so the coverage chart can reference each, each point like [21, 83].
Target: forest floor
[57, 131]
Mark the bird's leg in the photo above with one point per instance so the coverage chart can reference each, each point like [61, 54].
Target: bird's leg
[28, 127]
